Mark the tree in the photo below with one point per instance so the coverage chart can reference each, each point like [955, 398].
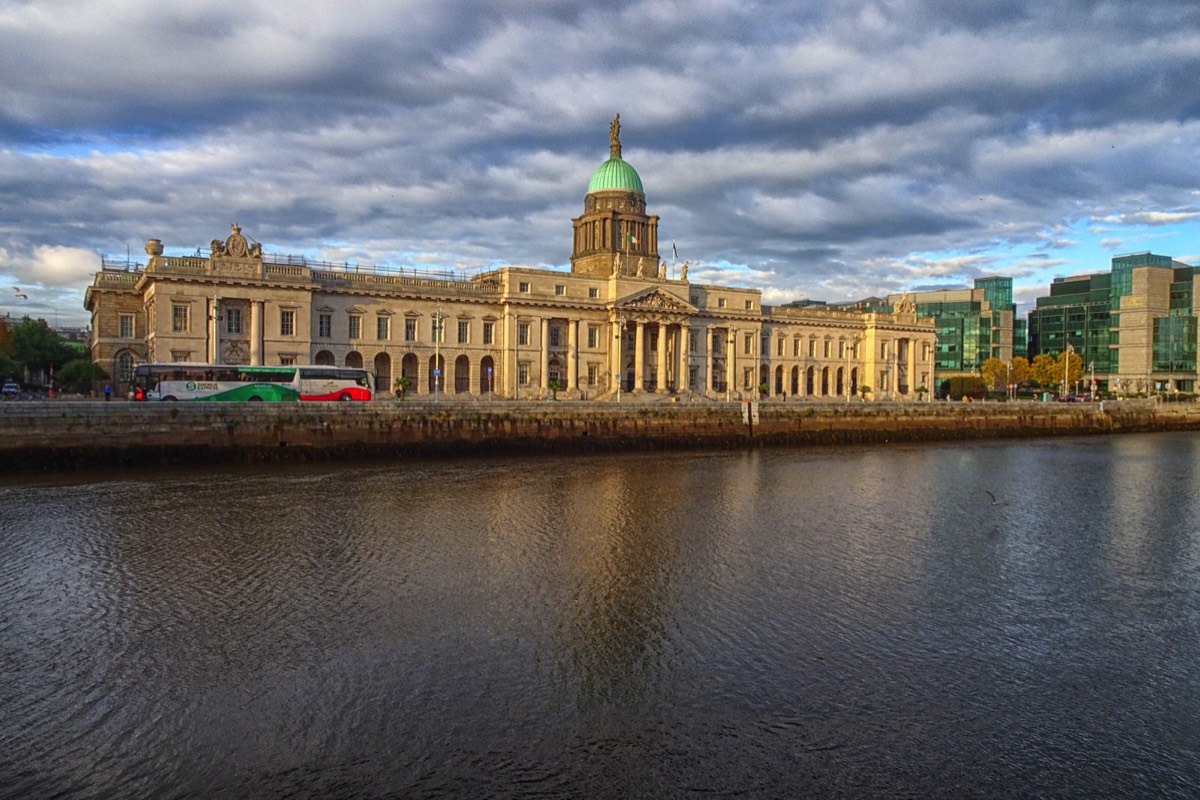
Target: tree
[1044, 371]
[1073, 369]
[864, 390]
[555, 387]
[1048, 371]
[38, 347]
[1020, 371]
[79, 376]
[995, 374]
[400, 385]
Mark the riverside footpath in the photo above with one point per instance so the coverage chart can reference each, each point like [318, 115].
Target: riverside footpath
[61, 434]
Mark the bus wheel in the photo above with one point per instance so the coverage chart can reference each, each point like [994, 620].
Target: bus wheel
[255, 399]
[169, 399]
[344, 396]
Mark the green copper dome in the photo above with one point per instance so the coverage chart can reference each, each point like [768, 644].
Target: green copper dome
[615, 174]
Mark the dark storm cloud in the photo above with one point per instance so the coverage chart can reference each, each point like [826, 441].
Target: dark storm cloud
[812, 149]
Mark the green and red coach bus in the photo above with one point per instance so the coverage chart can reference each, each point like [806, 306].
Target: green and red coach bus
[241, 382]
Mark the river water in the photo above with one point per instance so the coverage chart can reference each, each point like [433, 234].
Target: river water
[849, 622]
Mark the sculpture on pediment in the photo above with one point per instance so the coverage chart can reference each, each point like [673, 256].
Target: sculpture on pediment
[662, 270]
[906, 305]
[217, 247]
[236, 245]
[683, 272]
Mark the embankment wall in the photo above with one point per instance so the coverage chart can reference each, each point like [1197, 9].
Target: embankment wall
[59, 434]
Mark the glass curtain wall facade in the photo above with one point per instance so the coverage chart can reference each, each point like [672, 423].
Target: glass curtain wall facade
[1077, 312]
[1135, 326]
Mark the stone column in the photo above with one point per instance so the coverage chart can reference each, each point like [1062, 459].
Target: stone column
[661, 367]
[708, 360]
[256, 332]
[913, 377]
[573, 354]
[639, 357]
[509, 375]
[684, 346]
[731, 340]
[544, 351]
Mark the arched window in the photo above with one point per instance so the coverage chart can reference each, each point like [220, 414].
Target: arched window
[123, 365]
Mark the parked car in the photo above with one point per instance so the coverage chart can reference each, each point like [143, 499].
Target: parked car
[10, 390]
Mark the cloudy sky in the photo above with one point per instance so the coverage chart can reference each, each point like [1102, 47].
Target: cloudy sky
[832, 150]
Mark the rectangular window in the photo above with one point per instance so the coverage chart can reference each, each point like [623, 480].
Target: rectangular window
[764, 349]
[559, 290]
[287, 322]
[489, 332]
[593, 292]
[523, 334]
[593, 373]
[464, 330]
[593, 336]
[693, 340]
[795, 348]
[410, 330]
[324, 326]
[828, 348]
[779, 349]
[179, 318]
[180, 356]
[523, 373]
[748, 344]
[233, 320]
[437, 330]
[749, 305]
[287, 360]
[720, 302]
[523, 287]
[812, 348]
[841, 349]
[555, 336]
[383, 328]
[355, 326]
[883, 349]
[126, 326]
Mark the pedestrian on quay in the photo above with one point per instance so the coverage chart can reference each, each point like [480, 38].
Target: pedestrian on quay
[107, 392]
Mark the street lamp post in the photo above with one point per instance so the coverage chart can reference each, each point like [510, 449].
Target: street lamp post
[1067, 366]
[619, 355]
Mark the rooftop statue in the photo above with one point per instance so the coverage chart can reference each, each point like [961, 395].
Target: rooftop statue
[614, 137]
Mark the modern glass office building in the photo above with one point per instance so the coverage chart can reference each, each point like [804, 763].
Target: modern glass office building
[1134, 326]
[973, 325]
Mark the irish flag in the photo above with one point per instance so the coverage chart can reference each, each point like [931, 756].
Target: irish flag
[633, 239]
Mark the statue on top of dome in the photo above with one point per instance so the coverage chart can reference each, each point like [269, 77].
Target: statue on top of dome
[614, 137]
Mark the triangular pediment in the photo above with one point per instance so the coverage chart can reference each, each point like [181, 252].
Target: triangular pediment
[655, 300]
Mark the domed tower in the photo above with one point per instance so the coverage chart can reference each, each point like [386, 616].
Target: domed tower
[615, 236]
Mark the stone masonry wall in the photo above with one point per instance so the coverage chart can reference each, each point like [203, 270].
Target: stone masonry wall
[57, 434]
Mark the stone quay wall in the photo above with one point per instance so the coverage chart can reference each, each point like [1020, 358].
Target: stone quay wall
[63, 434]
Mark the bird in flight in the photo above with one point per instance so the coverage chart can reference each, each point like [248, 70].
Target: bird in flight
[995, 500]
[17, 289]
